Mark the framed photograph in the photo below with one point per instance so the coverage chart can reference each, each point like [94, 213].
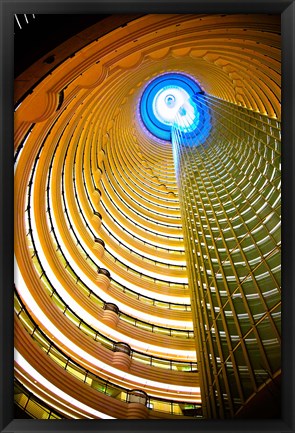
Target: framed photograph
[147, 216]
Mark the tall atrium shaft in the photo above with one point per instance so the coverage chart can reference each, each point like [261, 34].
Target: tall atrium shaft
[147, 257]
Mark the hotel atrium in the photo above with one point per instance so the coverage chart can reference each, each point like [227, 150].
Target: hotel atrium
[147, 220]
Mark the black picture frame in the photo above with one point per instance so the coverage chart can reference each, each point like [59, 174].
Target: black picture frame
[7, 11]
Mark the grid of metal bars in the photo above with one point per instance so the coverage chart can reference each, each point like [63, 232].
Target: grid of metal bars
[229, 189]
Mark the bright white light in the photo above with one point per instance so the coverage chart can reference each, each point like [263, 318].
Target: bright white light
[21, 361]
[23, 290]
[166, 105]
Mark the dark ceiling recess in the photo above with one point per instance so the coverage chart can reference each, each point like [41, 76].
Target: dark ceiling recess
[44, 33]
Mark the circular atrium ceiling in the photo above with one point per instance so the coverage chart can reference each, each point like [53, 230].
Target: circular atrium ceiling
[166, 101]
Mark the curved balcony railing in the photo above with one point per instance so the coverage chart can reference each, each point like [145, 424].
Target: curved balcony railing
[139, 225]
[116, 260]
[135, 253]
[160, 206]
[120, 286]
[59, 248]
[134, 210]
[97, 383]
[31, 404]
[127, 318]
[108, 343]
[173, 332]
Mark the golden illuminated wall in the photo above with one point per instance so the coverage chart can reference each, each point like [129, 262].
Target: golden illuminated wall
[99, 250]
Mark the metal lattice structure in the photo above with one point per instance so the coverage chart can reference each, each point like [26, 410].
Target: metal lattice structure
[229, 189]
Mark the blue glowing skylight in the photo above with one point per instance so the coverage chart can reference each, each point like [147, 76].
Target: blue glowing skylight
[167, 101]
